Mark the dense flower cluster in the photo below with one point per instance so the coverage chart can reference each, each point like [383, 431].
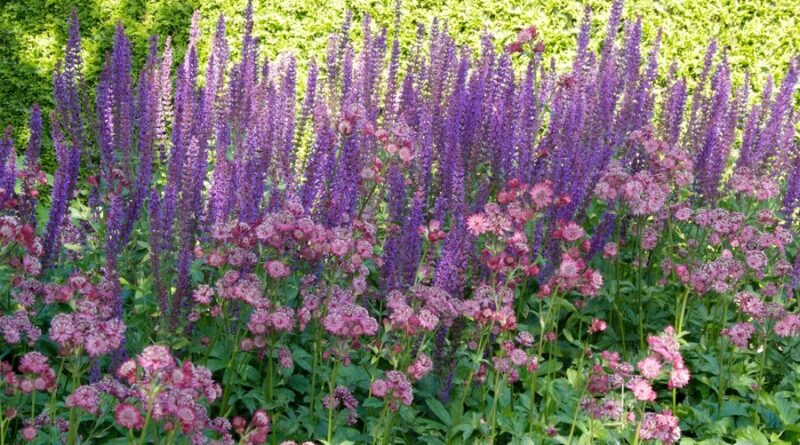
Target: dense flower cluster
[155, 387]
[610, 374]
[394, 387]
[662, 427]
[93, 325]
[424, 308]
[33, 374]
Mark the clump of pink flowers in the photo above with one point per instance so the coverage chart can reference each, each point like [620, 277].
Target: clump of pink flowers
[662, 427]
[34, 374]
[255, 432]
[422, 308]
[93, 325]
[395, 388]
[157, 388]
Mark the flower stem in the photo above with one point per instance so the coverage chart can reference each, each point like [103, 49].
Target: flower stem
[332, 387]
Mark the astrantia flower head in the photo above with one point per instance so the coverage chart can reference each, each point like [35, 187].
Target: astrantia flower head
[740, 334]
[93, 325]
[348, 320]
[15, 327]
[641, 389]
[789, 326]
[86, 398]
[129, 416]
[665, 345]
[276, 269]
[155, 358]
[570, 231]
[394, 386]
[650, 367]
[477, 224]
[597, 326]
[678, 377]
[663, 427]
[342, 396]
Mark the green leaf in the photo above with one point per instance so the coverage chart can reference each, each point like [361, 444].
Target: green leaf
[751, 436]
[441, 412]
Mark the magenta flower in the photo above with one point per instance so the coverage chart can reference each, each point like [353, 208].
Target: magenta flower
[86, 398]
[129, 416]
[421, 367]
[155, 358]
[788, 326]
[285, 358]
[276, 269]
[740, 334]
[396, 387]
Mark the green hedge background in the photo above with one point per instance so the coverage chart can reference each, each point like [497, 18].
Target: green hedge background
[761, 35]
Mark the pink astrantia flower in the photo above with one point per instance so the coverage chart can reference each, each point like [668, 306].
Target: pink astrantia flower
[155, 358]
[662, 427]
[342, 396]
[650, 367]
[597, 326]
[421, 367]
[571, 231]
[285, 358]
[477, 224]
[394, 386]
[740, 334]
[641, 389]
[276, 269]
[86, 398]
[610, 250]
[665, 345]
[128, 416]
[678, 377]
[788, 326]
[203, 294]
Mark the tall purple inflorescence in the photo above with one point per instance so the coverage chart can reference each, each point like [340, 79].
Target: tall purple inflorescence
[8, 167]
[67, 123]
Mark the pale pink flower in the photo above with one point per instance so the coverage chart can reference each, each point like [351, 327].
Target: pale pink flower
[641, 389]
[650, 367]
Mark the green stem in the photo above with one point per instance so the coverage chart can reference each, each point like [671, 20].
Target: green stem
[2, 424]
[332, 387]
[388, 427]
[230, 372]
[52, 408]
[763, 363]
[638, 431]
[639, 267]
[74, 420]
[680, 316]
[495, 397]
[143, 435]
[720, 355]
[543, 322]
[270, 372]
[314, 362]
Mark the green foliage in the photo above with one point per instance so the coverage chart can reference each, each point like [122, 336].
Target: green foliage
[33, 32]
